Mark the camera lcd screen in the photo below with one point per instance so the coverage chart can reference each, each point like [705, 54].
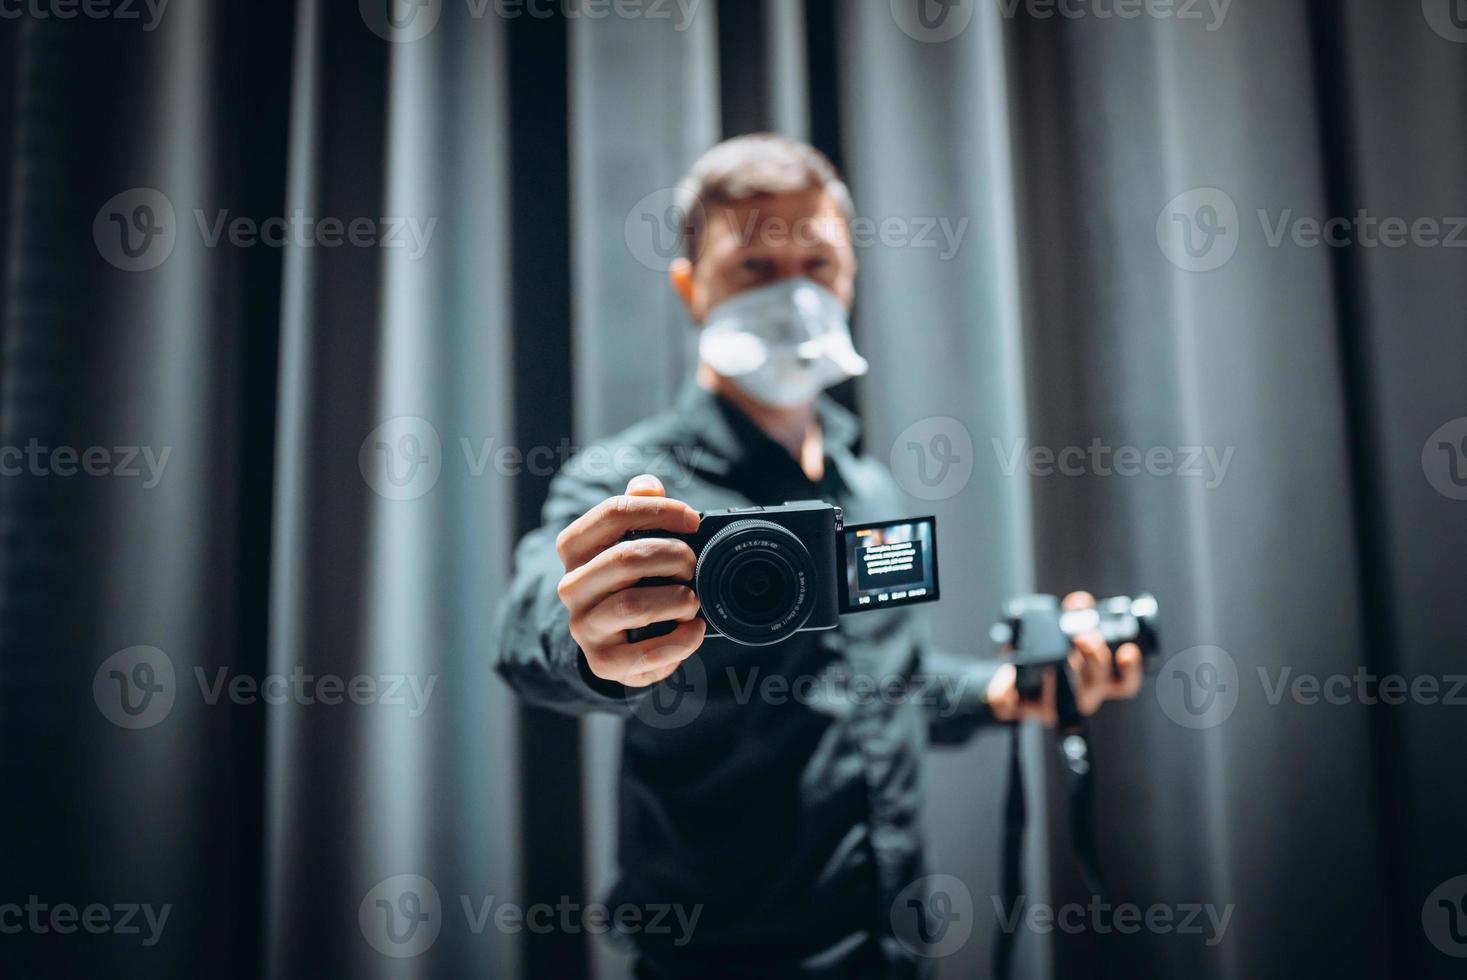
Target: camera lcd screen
[889, 564]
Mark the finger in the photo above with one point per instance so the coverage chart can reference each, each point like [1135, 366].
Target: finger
[653, 660]
[1131, 670]
[1002, 695]
[623, 565]
[609, 521]
[650, 677]
[1078, 600]
[636, 607]
[645, 485]
[1094, 668]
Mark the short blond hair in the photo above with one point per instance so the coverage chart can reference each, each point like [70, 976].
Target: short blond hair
[752, 166]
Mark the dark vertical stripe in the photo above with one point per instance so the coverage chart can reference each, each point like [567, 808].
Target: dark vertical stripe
[539, 144]
[252, 90]
[825, 131]
[823, 65]
[743, 67]
[1336, 131]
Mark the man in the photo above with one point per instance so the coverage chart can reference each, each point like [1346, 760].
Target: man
[790, 823]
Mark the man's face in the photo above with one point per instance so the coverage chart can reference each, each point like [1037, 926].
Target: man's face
[763, 240]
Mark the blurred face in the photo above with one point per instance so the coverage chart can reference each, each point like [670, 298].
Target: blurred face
[765, 239]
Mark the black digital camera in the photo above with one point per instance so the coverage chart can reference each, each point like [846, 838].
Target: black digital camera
[766, 573]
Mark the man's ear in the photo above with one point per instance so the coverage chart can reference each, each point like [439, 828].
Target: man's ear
[681, 276]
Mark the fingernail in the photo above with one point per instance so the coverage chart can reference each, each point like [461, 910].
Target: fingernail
[645, 481]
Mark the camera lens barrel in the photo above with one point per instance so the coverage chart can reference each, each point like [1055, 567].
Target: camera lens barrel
[753, 579]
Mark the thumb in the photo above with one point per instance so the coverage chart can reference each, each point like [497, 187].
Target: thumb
[645, 485]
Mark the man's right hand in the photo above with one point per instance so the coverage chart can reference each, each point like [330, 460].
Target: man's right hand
[600, 584]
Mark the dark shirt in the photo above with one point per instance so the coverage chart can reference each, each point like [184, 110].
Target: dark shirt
[779, 788]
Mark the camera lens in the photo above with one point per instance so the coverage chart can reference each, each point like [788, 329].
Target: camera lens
[753, 580]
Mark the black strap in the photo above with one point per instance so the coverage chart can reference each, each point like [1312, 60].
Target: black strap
[1078, 760]
[1012, 886]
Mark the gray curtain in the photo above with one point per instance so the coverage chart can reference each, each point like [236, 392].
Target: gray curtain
[544, 150]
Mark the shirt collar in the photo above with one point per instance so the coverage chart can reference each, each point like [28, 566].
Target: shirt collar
[733, 439]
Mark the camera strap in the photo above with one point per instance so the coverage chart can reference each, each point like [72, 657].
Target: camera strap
[1073, 742]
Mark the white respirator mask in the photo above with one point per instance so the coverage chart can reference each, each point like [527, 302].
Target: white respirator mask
[783, 343]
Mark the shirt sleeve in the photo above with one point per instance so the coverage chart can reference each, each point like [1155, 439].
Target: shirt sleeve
[536, 653]
[957, 691]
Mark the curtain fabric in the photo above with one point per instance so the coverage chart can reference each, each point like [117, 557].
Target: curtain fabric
[1064, 170]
